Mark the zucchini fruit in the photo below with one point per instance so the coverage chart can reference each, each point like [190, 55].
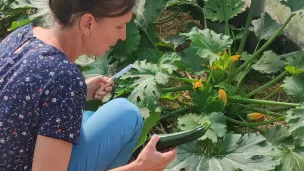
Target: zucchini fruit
[167, 141]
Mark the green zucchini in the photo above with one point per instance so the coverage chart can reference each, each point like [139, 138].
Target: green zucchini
[174, 139]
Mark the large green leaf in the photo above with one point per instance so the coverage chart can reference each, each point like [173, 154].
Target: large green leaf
[249, 152]
[208, 43]
[294, 5]
[269, 63]
[265, 27]
[223, 10]
[43, 11]
[295, 63]
[149, 123]
[84, 60]
[151, 55]
[132, 41]
[167, 62]
[192, 60]
[147, 77]
[291, 159]
[218, 124]
[147, 11]
[279, 12]
[295, 122]
[276, 134]
[294, 86]
[101, 66]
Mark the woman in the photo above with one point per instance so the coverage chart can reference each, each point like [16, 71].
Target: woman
[43, 94]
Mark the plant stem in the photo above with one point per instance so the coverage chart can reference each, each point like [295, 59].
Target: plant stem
[149, 38]
[255, 124]
[272, 93]
[168, 19]
[256, 55]
[248, 23]
[209, 147]
[205, 20]
[174, 89]
[184, 79]
[210, 76]
[257, 46]
[176, 113]
[258, 90]
[263, 102]
[261, 111]
[243, 76]
[279, 109]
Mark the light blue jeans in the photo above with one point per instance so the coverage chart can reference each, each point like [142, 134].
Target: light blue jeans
[107, 137]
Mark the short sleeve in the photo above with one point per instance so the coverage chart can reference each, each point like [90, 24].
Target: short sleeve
[62, 104]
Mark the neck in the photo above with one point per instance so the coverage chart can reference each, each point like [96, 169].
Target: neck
[65, 39]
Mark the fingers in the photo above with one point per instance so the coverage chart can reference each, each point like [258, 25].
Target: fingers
[170, 155]
[97, 97]
[153, 141]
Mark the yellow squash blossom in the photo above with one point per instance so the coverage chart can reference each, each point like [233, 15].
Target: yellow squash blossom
[223, 96]
[255, 116]
[198, 84]
[235, 58]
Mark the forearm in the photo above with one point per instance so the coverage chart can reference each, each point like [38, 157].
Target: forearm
[134, 166]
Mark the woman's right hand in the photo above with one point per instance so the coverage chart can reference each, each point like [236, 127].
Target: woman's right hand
[152, 160]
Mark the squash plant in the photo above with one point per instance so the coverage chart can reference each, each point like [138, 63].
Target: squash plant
[211, 72]
[221, 99]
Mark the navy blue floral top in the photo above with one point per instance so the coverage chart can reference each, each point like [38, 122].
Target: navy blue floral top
[41, 92]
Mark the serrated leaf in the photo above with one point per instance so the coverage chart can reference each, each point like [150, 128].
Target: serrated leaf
[248, 152]
[147, 11]
[132, 41]
[223, 10]
[167, 61]
[43, 11]
[208, 43]
[294, 5]
[149, 54]
[147, 76]
[291, 159]
[192, 60]
[296, 61]
[177, 40]
[101, 66]
[201, 98]
[276, 134]
[149, 123]
[218, 124]
[295, 122]
[265, 27]
[269, 63]
[294, 86]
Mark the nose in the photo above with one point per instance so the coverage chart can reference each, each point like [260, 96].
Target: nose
[123, 34]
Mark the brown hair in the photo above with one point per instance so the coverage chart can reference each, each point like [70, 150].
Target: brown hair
[66, 11]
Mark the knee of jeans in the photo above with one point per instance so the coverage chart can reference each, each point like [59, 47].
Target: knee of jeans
[129, 111]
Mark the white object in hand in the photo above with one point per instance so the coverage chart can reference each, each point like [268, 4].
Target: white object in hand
[119, 74]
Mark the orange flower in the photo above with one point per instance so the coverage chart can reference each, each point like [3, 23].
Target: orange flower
[235, 58]
[198, 84]
[223, 96]
[255, 116]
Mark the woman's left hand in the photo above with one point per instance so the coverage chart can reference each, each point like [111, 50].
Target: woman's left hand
[93, 85]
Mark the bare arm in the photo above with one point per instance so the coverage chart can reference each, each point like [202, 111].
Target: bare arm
[51, 154]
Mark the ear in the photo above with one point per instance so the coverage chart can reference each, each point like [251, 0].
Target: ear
[87, 22]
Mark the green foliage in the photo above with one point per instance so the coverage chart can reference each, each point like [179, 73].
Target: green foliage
[269, 63]
[199, 78]
[217, 129]
[208, 43]
[223, 10]
[248, 152]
